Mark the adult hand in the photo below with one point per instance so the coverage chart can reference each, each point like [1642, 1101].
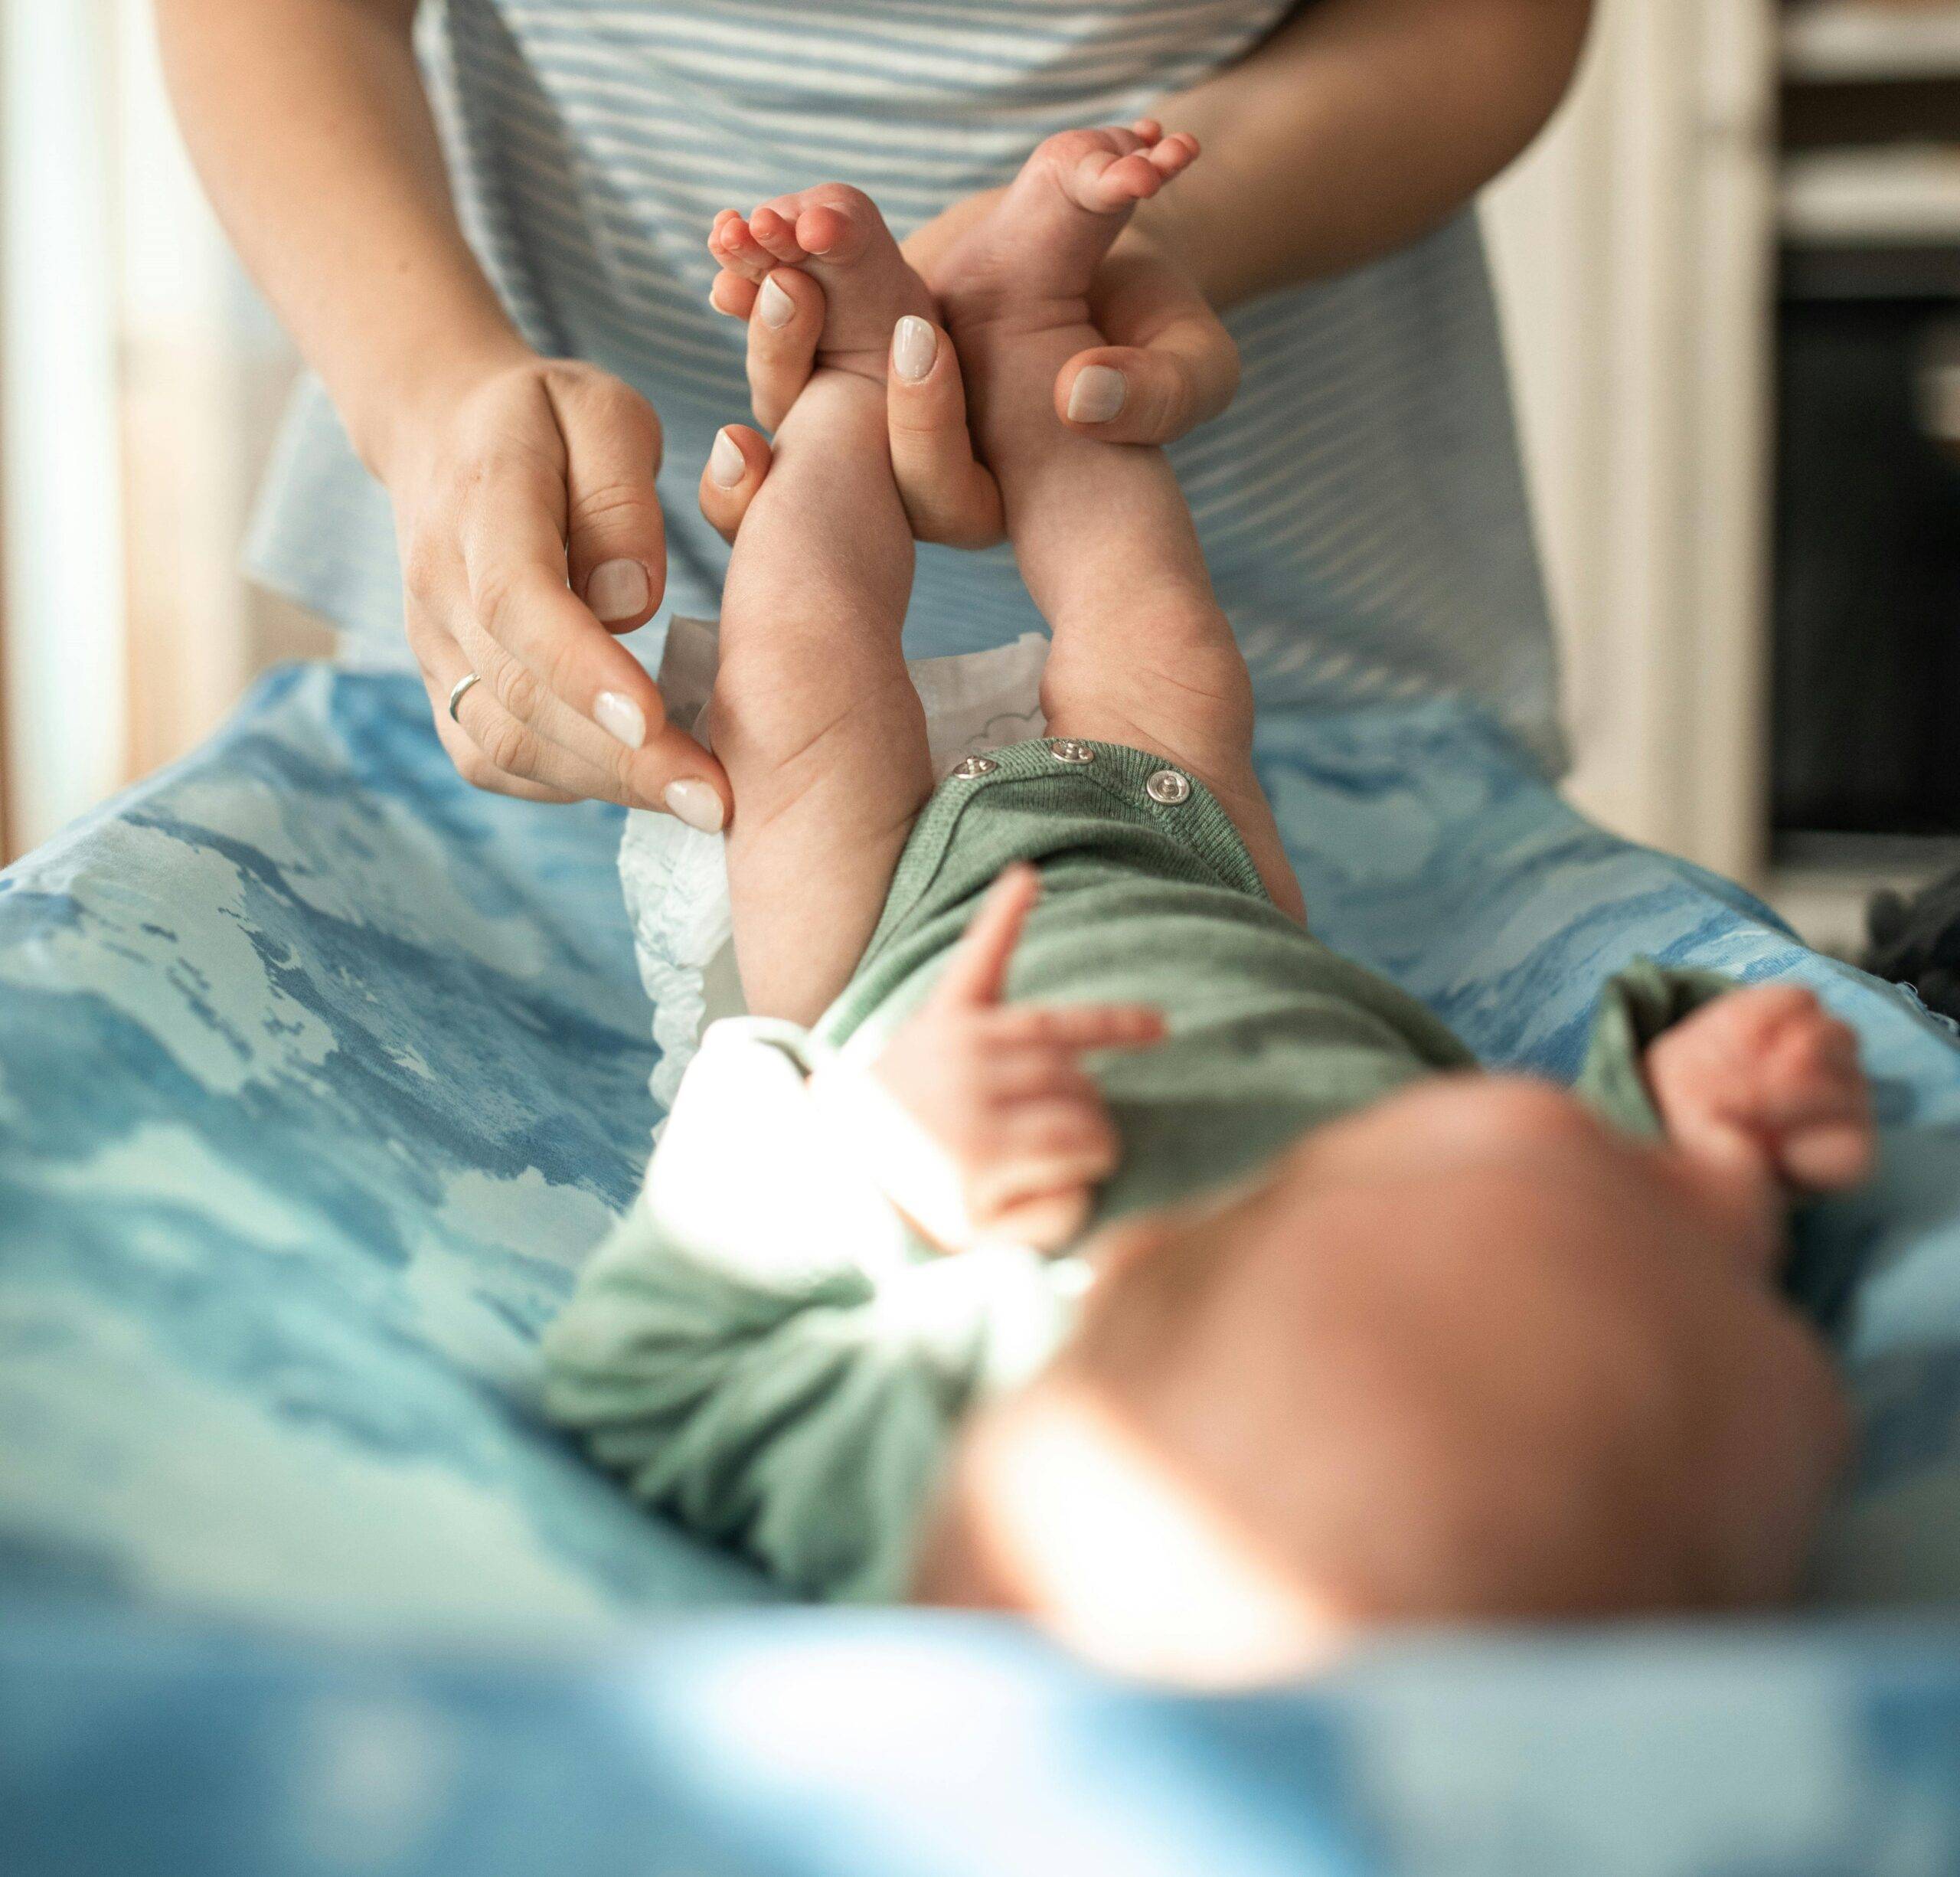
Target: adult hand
[950, 496]
[530, 534]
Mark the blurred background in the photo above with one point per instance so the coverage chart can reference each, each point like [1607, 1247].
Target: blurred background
[1731, 280]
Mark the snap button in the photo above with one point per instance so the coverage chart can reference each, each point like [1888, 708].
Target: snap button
[1068, 750]
[1168, 788]
[975, 767]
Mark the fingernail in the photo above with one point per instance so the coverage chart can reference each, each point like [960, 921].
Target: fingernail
[695, 803]
[777, 308]
[1096, 395]
[617, 589]
[914, 346]
[727, 465]
[619, 716]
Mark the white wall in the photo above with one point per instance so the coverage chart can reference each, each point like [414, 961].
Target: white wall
[60, 486]
[141, 379]
[1633, 250]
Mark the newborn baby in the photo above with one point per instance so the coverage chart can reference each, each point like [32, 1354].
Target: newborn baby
[1072, 1232]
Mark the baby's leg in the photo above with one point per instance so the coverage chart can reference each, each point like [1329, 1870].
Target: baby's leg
[1142, 654]
[814, 714]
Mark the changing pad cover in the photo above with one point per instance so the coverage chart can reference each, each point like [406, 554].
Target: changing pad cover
[319, 1072]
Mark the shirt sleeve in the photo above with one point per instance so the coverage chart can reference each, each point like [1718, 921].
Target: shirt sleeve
[1637, 1006]
[761, 1350]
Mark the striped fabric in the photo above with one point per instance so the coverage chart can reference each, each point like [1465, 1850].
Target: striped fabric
[1361, 503]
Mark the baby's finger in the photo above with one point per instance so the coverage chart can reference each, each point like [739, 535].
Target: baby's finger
[1022, 1072]
[1045, 1222]
[1826, 1156]
[1021, 1176]
[734, 471]
[787, 321]
[950, 497]
[1078, 1026]
[1078, 1134]
[976, 971]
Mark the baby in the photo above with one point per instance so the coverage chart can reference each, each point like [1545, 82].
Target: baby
[1070, 1232]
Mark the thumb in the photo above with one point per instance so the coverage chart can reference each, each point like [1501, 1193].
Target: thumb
[616, 547]
[977, 969]
[1151, 393]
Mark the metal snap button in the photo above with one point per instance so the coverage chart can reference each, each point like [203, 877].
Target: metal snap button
[975, 767]
[1067, 749]
[1168, 788]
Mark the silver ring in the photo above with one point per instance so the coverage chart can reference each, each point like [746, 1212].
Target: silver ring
[457, 690]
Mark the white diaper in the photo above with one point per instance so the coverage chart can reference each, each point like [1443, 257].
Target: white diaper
[675, 878]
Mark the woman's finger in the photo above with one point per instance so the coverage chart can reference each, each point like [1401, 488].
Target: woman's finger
[615, 538]
[1151, 393]
[784, 326]
[950, 497]
[566, 684]
[734, 471]
[1170, 364]
[443, 665]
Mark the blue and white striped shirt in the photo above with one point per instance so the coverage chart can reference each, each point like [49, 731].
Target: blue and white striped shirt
[1361, 503]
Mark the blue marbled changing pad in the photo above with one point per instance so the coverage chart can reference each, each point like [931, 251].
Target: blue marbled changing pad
[318, 1074]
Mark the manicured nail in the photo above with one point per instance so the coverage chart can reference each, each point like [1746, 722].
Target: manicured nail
[776, 307]
[1096, 395]
[727, 465]
[617, 589]
[914, 346]
[697, 804]
[619, 716]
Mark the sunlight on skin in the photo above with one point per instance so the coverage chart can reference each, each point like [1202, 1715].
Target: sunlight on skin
[1129, 1567]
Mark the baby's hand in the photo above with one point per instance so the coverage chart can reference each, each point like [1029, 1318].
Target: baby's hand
[1017, 1127]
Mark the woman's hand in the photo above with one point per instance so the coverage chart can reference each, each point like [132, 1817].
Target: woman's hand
[1170, 364]
[530, 534]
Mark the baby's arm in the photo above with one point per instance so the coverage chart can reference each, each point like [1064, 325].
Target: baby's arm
[978, 1119]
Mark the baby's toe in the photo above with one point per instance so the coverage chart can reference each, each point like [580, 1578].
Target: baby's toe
[741, 251]
[776, 234]
[733, 294]
[1173, 155]
[1117, 181]
[840, 227]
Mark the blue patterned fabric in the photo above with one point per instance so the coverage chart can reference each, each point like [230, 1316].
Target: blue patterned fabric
[318, 1074]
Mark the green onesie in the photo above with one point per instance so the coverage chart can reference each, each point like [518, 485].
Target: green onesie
[761, 1350]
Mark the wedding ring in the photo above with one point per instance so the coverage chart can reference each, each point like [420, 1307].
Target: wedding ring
[457, 690]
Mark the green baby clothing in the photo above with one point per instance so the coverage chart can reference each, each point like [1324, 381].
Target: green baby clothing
[763, 1348]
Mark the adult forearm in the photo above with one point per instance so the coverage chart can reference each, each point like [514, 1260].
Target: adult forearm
[308, 122]
[1359, 126]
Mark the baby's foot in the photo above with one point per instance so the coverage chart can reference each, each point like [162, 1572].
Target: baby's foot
[835, 234]
[1763, 1086]
[1040, 243]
